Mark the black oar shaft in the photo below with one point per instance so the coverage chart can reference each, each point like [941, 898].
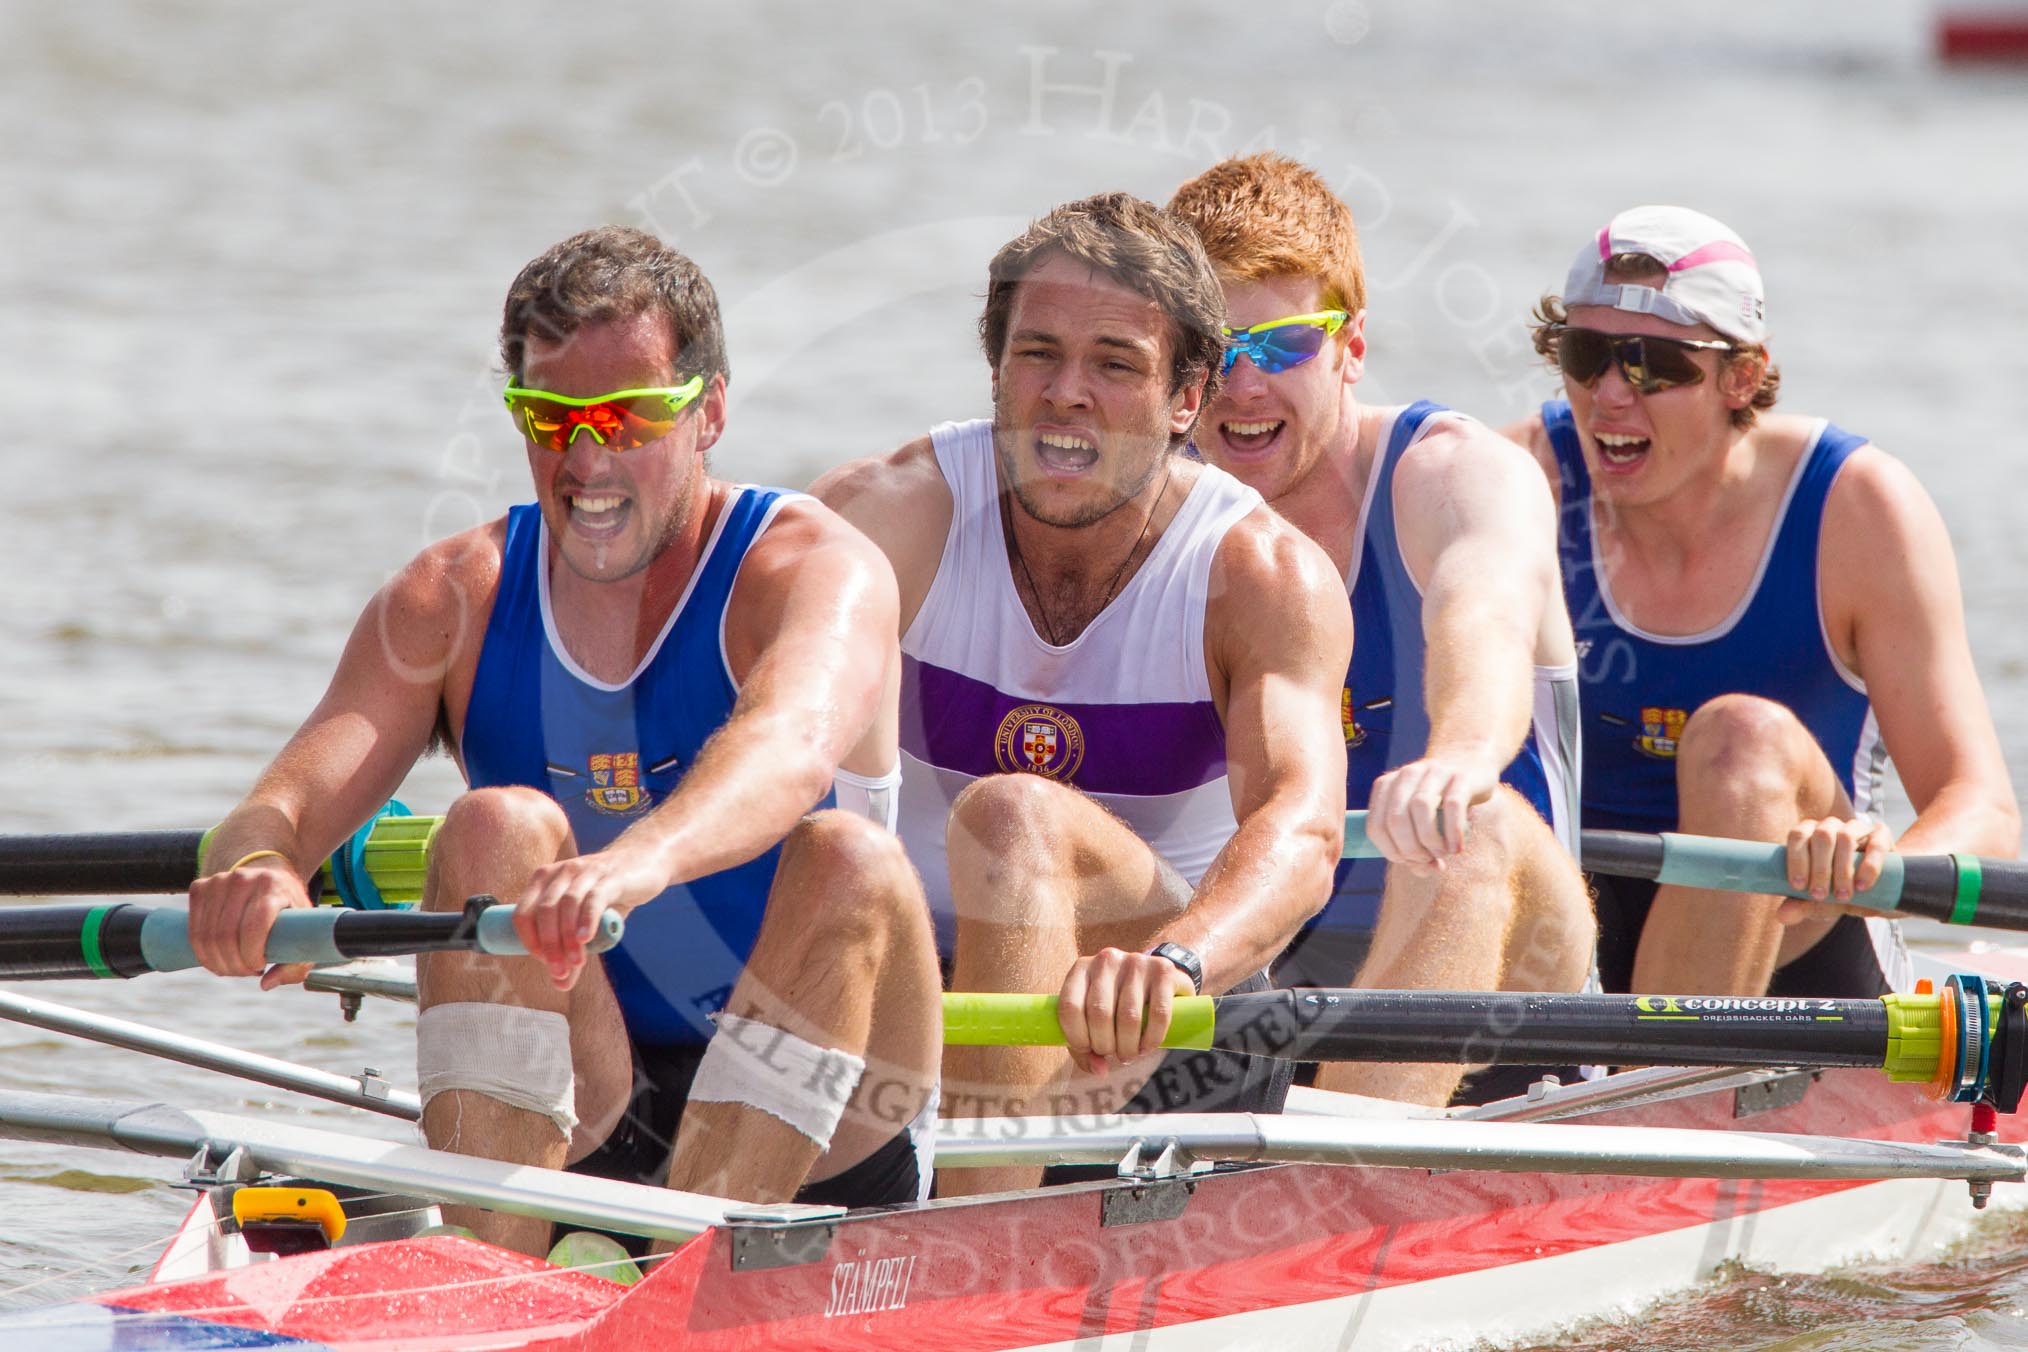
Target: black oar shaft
[122, 940]
[383, 863]
[1458, 1028]
[57, 943]
[387, 934]
[1963, 890]
[1622, 854]
[54, 943]
[106, 863]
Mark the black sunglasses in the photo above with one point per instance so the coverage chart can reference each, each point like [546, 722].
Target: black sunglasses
[1647, 362]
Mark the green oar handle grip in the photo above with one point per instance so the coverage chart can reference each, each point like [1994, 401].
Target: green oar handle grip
[977, 1019]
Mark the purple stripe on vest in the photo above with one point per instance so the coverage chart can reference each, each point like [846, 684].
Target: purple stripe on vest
[956, 723]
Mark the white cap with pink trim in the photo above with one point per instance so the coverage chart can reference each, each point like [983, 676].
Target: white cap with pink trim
[1712, 276]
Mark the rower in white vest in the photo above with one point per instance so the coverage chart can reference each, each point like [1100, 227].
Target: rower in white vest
[1117, 666]
[1123, 710]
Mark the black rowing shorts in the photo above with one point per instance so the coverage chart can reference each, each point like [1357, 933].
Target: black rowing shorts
[638, 1149]
[1842, 963]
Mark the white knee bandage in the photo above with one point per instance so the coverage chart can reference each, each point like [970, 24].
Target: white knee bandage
[519, 1056]
[772, 1069]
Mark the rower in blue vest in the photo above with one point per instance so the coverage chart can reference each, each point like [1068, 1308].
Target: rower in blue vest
[658, 685]
[1459, 709]
[1765, 606]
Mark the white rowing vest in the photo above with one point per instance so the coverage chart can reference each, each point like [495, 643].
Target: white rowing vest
[1122, 712]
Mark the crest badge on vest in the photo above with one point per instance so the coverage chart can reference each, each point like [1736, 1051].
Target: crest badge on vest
[616, 783]
[1349, 716]
[1660, 731]
[1039, 739]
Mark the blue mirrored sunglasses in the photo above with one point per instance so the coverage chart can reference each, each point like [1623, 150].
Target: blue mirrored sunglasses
[1281, 343]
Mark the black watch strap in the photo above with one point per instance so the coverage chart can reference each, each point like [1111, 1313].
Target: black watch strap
[1186, 962]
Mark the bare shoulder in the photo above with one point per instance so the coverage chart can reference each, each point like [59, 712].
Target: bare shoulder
[1277, 605]
[412, 652]
[1265, 566]
[1871, 480]
[870, 490]
[811, 578]
[1878, 517]
[1459, 442]
[903, 504]
[442, 590]
[1885, 566]
[1462, 460]
[1531, 434]
[809, 540]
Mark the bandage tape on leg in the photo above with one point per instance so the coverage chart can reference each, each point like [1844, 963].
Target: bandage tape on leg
[772, 1069]
[519, 1057]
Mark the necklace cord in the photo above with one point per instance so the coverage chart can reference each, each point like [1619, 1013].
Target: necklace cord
[1112, 587]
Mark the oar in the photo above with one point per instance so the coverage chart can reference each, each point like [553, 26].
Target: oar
[384, 864]
[52, 943]
[1423, 1143]
[338, 1157]
[381, 865]
[1963, 1039]
[359, 1091]
[1960, 889]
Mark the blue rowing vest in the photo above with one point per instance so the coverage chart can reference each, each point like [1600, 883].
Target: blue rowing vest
[610, 754]
[1640, 688]
[1381, 708]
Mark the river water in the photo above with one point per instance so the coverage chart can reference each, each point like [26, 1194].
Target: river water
[254, 258]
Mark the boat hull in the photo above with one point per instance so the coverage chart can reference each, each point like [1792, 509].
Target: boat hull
[1274, 1257]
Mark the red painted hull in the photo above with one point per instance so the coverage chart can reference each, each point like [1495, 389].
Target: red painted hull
[1390, 1256]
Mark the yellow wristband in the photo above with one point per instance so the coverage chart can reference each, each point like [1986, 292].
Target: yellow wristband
[246, 859]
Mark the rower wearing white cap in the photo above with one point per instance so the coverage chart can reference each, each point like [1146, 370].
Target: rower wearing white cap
[1765, 606]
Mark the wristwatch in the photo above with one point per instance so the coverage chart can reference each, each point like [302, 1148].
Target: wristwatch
[1186, 962]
